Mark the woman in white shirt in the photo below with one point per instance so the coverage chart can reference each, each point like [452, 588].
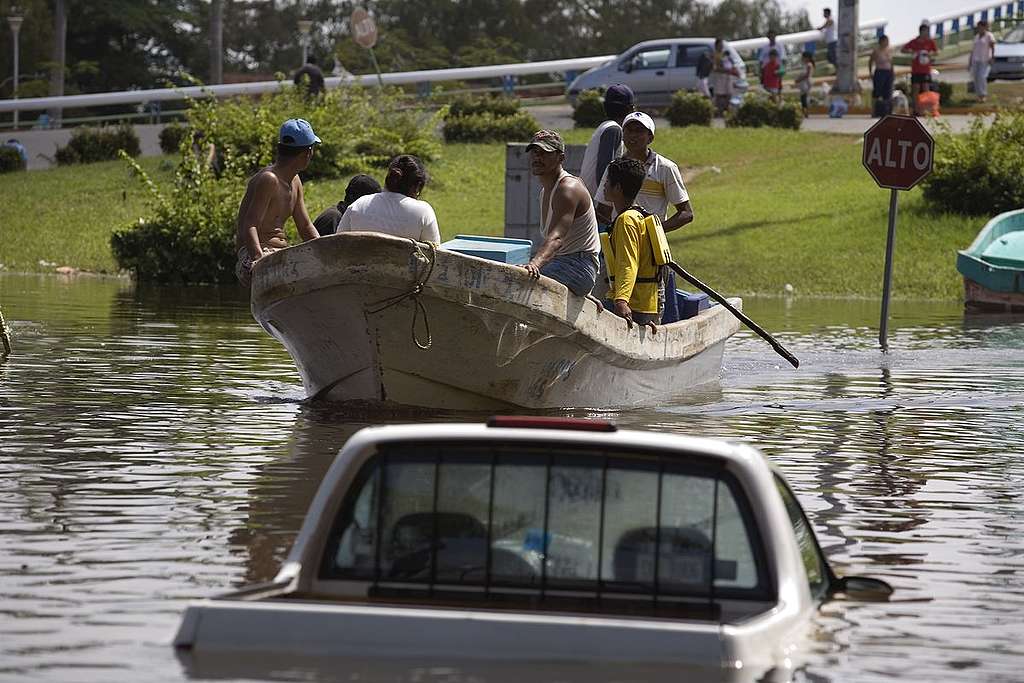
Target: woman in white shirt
[980, 62]
[397, 210]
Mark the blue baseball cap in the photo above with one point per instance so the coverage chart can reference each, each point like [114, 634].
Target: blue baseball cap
[297, 133]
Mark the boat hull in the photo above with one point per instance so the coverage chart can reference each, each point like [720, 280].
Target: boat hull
[344, 308]
[993, 266]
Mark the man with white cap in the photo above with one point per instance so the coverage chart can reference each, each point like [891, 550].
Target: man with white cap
[663, 184]
[273, 194]
[569, 253]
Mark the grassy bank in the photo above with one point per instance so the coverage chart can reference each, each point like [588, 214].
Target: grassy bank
[783, 207]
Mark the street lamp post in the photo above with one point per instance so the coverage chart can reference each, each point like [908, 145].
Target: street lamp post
[15, 21]
[305, 25]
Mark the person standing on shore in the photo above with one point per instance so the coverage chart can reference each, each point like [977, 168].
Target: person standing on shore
[310, 75]
[980, 62]
[606, 142]
[273, 194]
[803, 81]
[828, 34]
[880, 69]
[923, 48]
[723, 71]
[569, 253]
[765, 52]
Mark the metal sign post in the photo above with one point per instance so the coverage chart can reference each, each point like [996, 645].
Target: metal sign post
[364, 31]
[898, 154]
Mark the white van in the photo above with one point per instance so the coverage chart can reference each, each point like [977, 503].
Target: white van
[655, 70]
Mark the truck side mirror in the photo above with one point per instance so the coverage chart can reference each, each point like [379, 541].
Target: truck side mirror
[862, 588]
[626, 66]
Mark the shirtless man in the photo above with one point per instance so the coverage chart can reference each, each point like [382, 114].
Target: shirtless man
[570, 250]
[273, 194]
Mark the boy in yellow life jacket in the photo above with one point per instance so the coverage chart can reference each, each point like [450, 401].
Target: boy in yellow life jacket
[632, 269]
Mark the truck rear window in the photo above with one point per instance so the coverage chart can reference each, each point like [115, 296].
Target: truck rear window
[540, 523]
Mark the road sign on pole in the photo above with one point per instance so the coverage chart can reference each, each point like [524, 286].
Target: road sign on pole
[364, 31]
[898, 153]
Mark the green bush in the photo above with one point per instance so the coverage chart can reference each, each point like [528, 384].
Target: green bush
[189, 234]
[10, 160]
[757, 112]
[361, 128]
[690, 109]
[945, 93]
[467, 105]
[489, 128]
[171, 137]
[88, 145]
[980, 171]
[589, 109]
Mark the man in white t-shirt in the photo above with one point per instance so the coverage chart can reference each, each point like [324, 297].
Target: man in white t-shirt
[765, 52]
[397, 210]
[828, 34]
[663, 184]
[980, 61]
[606, 142]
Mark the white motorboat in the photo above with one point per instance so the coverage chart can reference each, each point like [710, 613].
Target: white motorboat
[374, 318]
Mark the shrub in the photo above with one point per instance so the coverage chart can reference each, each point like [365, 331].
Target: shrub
[88, 145]
[467, 105]
[979, 172]
[189, 234]
[690, 109]
[945, 93]
[10, 160]
[589, 109]
[360, 128]
[487, 119]
[489, 128]
[171, 137]
[757, 112]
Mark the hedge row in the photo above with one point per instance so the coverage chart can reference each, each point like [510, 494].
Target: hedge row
[488, 119]
[88, 145]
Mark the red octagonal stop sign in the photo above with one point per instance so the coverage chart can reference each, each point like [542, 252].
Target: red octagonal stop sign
[898, 152]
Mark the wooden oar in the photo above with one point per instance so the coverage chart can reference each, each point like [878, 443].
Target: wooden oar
[779, 349]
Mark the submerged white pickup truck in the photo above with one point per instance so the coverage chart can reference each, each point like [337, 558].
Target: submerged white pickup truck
[529, 545]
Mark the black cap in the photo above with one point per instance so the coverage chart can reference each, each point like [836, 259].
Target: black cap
[619, 94]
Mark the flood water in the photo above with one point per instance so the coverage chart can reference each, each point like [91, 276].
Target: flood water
[153, 449]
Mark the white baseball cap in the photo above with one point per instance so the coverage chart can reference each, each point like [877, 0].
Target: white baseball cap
[641, 118]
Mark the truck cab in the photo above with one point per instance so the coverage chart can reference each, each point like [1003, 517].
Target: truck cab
[541, 540]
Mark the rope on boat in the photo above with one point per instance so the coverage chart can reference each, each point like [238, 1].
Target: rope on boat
[423, 271]
[5, 335]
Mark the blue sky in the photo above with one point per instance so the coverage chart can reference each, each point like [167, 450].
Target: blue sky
[903, 15]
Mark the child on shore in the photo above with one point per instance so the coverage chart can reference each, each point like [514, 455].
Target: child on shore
[803, 81]
[771, 76]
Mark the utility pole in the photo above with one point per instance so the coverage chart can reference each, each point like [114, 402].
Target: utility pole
[15, 20]
[60, 34]
[216, 42]
[846, 58]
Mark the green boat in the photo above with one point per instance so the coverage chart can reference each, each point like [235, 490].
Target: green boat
[993, 266]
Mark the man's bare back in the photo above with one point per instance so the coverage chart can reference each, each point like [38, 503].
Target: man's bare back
[269, 201]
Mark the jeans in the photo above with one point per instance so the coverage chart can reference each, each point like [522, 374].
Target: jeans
[979, 74]
[577, 271]
[881, 86]
[830, 53]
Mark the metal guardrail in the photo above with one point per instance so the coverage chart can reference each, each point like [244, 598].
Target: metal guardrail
[989, 11]
[397, 78]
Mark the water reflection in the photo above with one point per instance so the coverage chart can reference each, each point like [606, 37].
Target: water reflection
[154, 448]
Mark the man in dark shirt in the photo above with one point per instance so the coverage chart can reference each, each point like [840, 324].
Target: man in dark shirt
[327, 222]
[311, 74]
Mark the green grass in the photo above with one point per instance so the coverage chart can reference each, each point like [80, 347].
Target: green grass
[787, 207]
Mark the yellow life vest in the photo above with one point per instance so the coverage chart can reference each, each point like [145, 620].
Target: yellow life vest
[656, 237]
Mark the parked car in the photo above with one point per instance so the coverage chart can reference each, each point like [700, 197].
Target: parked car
[533, 541]
[1009, 56]
[655, 70]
